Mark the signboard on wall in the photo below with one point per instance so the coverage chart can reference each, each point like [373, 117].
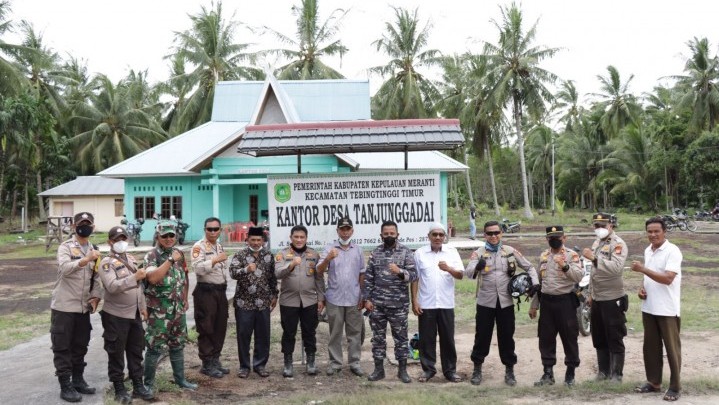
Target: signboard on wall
[411, 199]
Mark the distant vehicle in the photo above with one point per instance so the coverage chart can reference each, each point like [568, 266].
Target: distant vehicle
[510, 227]
[134, 230]
[584, 311]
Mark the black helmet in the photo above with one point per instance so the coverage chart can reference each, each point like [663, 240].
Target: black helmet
[519, 285]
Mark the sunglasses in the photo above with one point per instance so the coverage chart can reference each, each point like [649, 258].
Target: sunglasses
[167, 235]
[212, 229]
[436, 235]
[493, 233]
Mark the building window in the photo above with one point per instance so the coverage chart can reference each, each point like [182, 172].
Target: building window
[254, 208]
[171, 205]
[144, 207]
[119, 207]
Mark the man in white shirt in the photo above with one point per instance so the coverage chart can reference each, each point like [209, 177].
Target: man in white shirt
[433, 302]
[660, 294]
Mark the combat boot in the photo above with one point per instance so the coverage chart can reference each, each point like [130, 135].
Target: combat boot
[547, 377]
[378, 373]
[218, 365]
[209, 369]
[79, 383]
[617, 367]
[476, 374]
[67, 391]
[140, 391]
[509, 378]
[311, 368]
[569, 376]
[603, 360]
[152, 357]
[177, 361]
[121, 395]
[402, 372]
[288, 371]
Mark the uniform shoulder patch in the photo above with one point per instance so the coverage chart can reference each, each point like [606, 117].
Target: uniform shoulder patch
[195, 251]
[278, 257]
[618, 249]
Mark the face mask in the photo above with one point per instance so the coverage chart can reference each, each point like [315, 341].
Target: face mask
[555, 243]
[120, 246]
[389, 241]
[601, 232]
[84, 230]
[344, 242]
[255, 250]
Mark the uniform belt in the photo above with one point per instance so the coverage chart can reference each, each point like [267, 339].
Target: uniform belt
[212, 287]
[560, 297]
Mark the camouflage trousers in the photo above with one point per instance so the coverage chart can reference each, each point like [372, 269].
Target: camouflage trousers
[397, 318]
[166, 330]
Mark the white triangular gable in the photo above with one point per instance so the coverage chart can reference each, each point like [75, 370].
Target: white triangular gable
[274, 106]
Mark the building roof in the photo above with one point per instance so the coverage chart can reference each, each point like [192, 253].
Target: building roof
[87, 185]
[383, 161]
[353, 136]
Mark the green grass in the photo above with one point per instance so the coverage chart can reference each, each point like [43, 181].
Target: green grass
[29, 245]
[18, 327]
[697, 312]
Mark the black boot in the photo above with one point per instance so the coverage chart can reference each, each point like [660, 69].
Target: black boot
[288, 371]
[476, 374]
[140, 391]
[311, 368]
[121, 395]
[378, 372]
[218, 365]
[67, 391]
[569, 376]
[547, 377]
[602, 364]
[617, 367]
[209, 369]
[177, 361]
[509, 378]
[79, 382]
[402, 371]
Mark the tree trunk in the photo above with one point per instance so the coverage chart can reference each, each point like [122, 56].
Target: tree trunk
[488, 156]
[456, 192]
[40, 201]
[520, 142]
[467, 179]
[13, 209]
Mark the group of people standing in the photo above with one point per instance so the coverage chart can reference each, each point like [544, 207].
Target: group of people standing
[393, 279]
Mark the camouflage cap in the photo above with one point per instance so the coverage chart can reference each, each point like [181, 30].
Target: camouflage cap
[165, 227]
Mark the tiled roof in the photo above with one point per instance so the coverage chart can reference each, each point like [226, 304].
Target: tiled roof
[87, 185]
[352, 136]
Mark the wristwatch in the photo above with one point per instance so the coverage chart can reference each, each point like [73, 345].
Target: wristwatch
[565, 268]
[171, 260]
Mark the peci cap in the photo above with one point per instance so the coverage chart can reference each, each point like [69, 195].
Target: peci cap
[255, 231]
[115, 233]
[555, 230]
[165, 227]
[84, 217]
[601, 218]
[344, 222]
[437, 226]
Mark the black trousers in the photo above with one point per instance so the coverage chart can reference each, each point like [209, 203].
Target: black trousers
[251, 322]
[307, 318]
[211, 313]
[431, 323]
[558, 315]
[70, 336]
[608, 326]
[123, 337]
[484, 327]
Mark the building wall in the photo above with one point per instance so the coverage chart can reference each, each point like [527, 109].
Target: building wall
[102, 207]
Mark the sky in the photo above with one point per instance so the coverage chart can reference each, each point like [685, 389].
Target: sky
[644, 38]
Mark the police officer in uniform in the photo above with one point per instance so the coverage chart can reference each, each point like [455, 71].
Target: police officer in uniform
[390, 269]
[493, 265]
[302, 297]
[122, 316]
[608, 299]
[166, 294]
[559, 271]
[211, 308]
[75, 296]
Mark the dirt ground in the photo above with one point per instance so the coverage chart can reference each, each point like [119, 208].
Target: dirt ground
[25, 285]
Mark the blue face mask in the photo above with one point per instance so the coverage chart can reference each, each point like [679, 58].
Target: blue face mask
[492, 248]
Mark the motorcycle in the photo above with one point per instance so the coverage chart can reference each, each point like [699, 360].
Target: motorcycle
[510, 227]
[134, 230]
[181, 231]
[584, 311]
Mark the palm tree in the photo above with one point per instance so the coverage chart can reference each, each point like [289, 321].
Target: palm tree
[620, 107]
[567, 104]
[11, 80]
[540, 141]
[519, 81]
[578, 163]
[110, 128]
[314, 40]
[702, 82]
[210, 48]
[178, 88]
[407, 93]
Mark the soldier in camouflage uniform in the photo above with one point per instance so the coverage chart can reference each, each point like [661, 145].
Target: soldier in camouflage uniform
[166, 296]
[607, 298]
[390, 270]
[255, 297]
[559, 271]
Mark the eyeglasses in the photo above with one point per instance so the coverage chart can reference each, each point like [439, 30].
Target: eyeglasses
[600, 226]
[492, 233]
[436, 235]
[212, 229]
[167, 235]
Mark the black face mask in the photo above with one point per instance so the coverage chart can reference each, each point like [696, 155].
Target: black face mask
[389, 241]
[84, 230]
[555, 243]
[298, 250]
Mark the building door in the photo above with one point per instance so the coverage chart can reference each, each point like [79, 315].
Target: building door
[254, 209]
[63, 209]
